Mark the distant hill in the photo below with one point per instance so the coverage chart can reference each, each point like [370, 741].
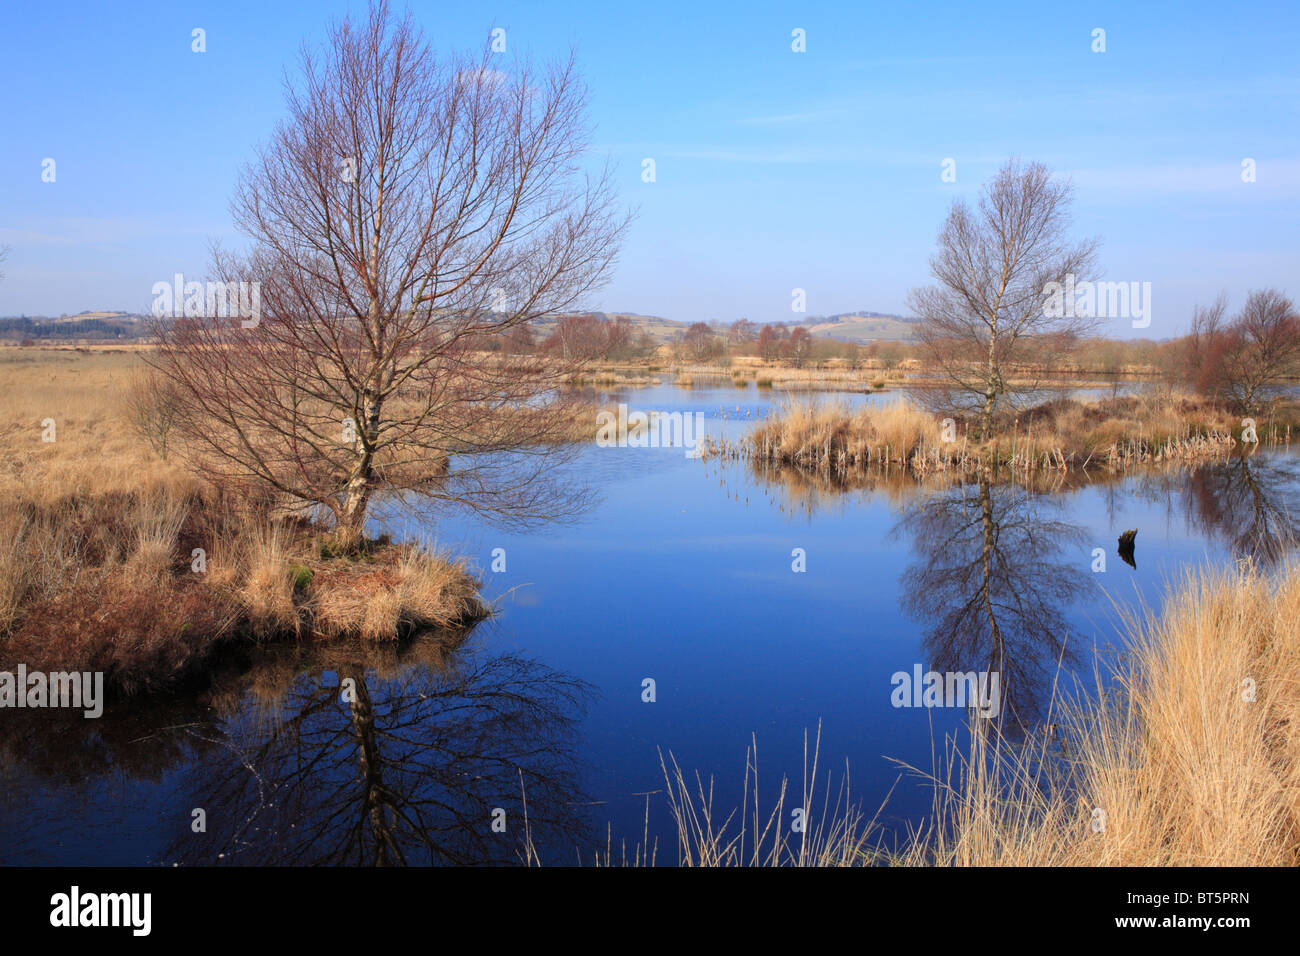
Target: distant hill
[660, 329]
[97, 316]
[97, 326]
[856, 327]
[862, 327]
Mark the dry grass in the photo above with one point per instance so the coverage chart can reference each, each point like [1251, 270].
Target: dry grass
[612, 378]
[803, 433]
[1061, 435]
[266, 593]
[1186, 770]
[98, 535]
[832, 375]
[376, 601]
[834, 834]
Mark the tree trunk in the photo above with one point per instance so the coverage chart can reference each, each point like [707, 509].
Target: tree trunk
[356, 494]
[990, 383]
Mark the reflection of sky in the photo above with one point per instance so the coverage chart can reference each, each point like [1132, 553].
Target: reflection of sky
[681, 572]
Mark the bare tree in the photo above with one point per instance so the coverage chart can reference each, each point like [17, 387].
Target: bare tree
[1242, 359]
[582, 338]
[4, 254]
[1204, 343]
[741, 332]
[701, 343]
[409, 207]
[151, 405]
[771, 341]
[986, 318]
[799, 346]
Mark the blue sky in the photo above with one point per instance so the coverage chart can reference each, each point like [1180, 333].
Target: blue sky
[774, 169]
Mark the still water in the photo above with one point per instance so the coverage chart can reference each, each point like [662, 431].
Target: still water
[681, 572]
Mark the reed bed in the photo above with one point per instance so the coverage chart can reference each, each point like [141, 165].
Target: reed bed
[833, 375]
[612, 379]
[1192, 759]
[1061, 436]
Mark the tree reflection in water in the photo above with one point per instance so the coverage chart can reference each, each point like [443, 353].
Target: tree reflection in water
[1251, 502]
[991, 579]
[406, 771]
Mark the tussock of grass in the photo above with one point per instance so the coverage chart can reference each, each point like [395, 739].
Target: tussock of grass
[267, 592]
[159, 517]
[420, 589]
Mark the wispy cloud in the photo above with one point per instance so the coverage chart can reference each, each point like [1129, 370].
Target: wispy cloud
[1275, 178]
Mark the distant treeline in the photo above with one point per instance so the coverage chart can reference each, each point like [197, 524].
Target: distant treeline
[25, 328]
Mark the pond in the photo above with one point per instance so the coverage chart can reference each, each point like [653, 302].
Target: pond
[697, 606]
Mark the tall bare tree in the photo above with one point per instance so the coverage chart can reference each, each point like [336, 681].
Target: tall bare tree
[985, 319]
[409, 208]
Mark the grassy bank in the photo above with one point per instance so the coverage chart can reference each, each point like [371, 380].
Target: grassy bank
[1193, 760]
[1061, 435]
[115, 559]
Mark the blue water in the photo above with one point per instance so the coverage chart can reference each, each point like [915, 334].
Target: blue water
[679, 572]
